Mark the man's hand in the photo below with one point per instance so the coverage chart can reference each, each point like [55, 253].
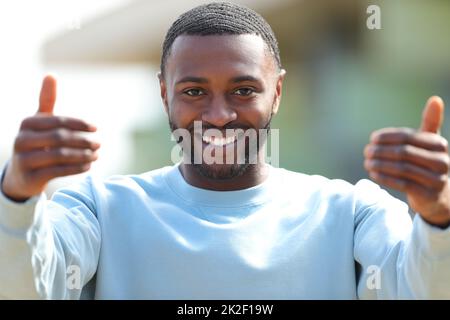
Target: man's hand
[415, 162]
[46, 147]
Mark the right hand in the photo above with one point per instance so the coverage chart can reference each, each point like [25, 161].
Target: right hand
[47, 147]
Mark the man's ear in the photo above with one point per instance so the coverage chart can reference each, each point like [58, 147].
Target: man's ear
[163, 88]
[278, 91]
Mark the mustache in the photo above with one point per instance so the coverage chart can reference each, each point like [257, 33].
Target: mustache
[231, 125]
[228, 126]
[206, 126]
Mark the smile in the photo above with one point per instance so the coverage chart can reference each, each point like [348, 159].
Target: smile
[219, 141]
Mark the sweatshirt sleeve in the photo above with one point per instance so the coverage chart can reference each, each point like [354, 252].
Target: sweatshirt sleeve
[398, 258]
[49, 249]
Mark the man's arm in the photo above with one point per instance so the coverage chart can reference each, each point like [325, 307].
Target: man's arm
[415, 263]
[41, 241]
[398, 259]
[49, 249]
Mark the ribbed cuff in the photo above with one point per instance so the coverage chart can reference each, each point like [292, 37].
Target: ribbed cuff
[17, 215]
[434, 242]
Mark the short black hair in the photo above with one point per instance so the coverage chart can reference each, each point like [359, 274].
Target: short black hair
[220, 18]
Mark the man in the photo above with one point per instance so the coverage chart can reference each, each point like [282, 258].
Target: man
[239, 230]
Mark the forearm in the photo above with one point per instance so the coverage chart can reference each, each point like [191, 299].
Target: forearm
[42, 242]
[20, 230]
[426, 268]
[406, 260]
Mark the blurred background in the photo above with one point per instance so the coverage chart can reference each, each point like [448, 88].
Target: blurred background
[343, 80]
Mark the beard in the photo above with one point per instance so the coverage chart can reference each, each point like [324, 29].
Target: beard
[225, 171]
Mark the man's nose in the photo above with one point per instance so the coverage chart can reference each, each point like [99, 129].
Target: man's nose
[219, 113]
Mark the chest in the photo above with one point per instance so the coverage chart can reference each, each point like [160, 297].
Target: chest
[272, 252]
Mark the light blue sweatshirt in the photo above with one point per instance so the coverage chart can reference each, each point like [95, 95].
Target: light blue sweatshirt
[154, 236]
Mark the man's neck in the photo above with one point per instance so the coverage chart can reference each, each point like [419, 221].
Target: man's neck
[255, 174]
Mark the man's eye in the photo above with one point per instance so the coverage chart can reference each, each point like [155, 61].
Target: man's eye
[244, 91]
[193, 92]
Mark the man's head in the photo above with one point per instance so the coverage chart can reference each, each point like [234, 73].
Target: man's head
[220, 18]
[220, 65]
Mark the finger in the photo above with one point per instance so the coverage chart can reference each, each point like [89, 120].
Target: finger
[405, 170]
[438, 162]
[30, 140]
[433, 115]
[58, 156]
[402, 185]
[45, 174]
[39, 123]
[401, 136]
[47, 97]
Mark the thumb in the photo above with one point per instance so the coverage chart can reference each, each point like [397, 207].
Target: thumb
[47, 97]
[433, 115]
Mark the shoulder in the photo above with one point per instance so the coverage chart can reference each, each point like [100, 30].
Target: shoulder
[302, 182]
[145, 179]
[147, 183]
[94, 189]
[360, 195]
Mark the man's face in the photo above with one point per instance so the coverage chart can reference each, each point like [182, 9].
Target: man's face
[226, 82]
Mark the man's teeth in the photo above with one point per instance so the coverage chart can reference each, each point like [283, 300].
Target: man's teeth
[219, 141]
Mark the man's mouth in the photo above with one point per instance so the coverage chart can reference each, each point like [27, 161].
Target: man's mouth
[219, 141]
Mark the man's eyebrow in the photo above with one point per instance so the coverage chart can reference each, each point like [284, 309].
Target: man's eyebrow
[205, 80]
[192, 79]
[245, 78]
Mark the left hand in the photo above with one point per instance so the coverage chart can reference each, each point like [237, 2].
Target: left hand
[415, 162]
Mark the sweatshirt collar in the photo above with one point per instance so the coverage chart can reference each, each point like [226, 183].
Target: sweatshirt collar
[255, 195]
